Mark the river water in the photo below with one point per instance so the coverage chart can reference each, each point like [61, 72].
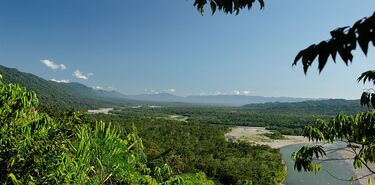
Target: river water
[340, 169]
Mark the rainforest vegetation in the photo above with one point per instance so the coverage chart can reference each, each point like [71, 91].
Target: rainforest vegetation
[167, 142]
[139, 144]
[38, 149]
[75, 148]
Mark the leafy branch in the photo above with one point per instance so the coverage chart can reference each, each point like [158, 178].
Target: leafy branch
[227, 6]
[344, 40]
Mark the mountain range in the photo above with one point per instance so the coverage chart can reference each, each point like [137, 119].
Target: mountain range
[80, 96]
[220, 100]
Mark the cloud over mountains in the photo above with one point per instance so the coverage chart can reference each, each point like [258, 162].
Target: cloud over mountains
[50, 64]
[80, 75]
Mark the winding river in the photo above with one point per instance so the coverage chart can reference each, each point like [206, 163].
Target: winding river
[340, 169]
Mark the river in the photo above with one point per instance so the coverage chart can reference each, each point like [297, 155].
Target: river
[340, 169]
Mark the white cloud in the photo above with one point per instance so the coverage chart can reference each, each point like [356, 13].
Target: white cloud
[98, 87]
[169, 90]
[236, 92]
[49, 63]
[60, 81]
[247, 93]
[151, 91]
[80, 75]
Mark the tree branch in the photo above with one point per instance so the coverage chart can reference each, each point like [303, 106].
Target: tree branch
[344, 40]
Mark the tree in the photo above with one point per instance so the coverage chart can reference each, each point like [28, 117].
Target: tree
[357, 131]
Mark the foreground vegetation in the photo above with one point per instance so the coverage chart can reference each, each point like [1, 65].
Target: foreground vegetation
[71, 148]
[36, 149]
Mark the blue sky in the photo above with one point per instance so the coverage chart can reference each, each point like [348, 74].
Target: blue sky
[149, 46]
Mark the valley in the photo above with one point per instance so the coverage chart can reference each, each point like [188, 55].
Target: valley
[194, 92]
[229, 144]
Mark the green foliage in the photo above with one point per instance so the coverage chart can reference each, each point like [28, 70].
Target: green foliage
[99, 155]
[287, 118]
[304, 157]
[36, 149]
[59, 97]
[274, 134]
[69, 149]
[357, 131]
[197, 179]
[193, 146]
[28, 140]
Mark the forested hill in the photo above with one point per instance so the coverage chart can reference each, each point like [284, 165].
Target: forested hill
[318, 107]
[65, 96]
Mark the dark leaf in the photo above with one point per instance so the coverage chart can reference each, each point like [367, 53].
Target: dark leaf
[298, 57]
[365, 99]
[363, 43]
[323, 55]
[261, 2]
[344, 55]
[367, 76]
[213, 6]
[373, 100]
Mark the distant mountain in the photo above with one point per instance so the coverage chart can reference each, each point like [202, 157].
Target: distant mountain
[223, 100]
[160, 97]
[61, 95]
[76, 95]
[239, 100]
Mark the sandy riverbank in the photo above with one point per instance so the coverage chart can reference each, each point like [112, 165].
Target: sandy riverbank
[255, 135]
[100, 111]
[348, 153]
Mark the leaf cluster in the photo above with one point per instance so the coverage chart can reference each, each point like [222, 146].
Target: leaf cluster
[357, 131]
[303, 158]
[227, 6]
[344, 40]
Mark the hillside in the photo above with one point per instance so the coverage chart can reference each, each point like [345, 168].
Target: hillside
[62, 95]
[76, 95]
[323, 107]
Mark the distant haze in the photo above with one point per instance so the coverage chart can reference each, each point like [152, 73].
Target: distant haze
[228, 100]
